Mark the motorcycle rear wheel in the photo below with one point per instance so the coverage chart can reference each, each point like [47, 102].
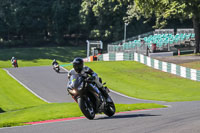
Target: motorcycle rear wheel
[86, 107]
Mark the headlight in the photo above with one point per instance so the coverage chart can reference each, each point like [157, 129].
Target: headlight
[80, 86]
[73, 91]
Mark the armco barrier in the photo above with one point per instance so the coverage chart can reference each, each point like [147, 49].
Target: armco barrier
[178, 70]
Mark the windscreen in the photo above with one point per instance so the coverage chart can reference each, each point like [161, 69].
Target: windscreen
[75, 81]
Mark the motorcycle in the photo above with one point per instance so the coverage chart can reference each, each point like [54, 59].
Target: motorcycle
[56, 67]
[83, 92]
[15, 65]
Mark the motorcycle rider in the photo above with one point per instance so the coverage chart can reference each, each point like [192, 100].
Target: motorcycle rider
[54, 62]
[13, 61]
[79, 68]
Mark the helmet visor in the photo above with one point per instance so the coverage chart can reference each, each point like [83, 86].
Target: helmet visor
[78, 67]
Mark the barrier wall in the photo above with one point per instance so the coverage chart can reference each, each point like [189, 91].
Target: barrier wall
[178, 70]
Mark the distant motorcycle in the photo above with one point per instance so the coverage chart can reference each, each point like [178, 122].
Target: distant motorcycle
[56, 67]
[15, 65]
[82, 91]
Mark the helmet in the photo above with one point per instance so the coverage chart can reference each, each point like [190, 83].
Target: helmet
[54, 60]
[13, 57]
[78, 64]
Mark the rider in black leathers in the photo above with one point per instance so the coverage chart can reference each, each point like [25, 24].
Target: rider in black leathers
[54, 62]
[79, 68]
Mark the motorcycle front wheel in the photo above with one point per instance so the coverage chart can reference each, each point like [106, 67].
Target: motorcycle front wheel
[109, 108]
[86, 107]
[57, 70]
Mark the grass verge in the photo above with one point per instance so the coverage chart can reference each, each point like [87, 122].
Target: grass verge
[14, 96]
[137, 80]
[18, 105]
[58, 110]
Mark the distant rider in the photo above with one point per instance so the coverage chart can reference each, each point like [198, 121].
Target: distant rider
[14, 62]
[54, 62]
[79, 68]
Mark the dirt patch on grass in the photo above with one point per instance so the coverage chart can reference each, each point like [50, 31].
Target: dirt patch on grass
[180, 59]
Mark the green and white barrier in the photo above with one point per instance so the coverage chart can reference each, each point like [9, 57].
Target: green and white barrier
[181, 71]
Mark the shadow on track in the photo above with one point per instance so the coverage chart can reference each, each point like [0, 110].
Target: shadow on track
[126, 116]
[64, 72]
[1, 110]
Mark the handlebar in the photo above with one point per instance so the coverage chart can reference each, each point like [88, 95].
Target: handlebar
[88, 79]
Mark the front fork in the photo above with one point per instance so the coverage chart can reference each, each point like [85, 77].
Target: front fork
[97, 94]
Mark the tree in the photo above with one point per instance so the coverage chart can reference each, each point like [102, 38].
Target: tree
[164, 10]
[104, 18]
[7, 19]
[34, 22]
[65, 21]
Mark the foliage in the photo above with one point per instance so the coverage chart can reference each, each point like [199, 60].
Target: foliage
[164, 10]
[71, 22]
[38, 21]
[105, 19]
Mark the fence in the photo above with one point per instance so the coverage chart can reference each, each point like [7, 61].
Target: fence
[142, 48]
[178, 70]
[185, 31]
[164, 31]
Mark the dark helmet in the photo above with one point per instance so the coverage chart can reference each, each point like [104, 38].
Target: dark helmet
[78, 64]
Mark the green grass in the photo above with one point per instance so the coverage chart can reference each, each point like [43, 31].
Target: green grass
[57, 110]
[137, 80]
[18, 105]
[14, 96]
[40, 56]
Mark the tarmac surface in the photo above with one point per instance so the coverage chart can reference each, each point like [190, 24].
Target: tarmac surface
[51, 86]
[179, 117]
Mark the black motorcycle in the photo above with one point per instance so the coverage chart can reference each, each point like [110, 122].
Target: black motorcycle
[82, 90]
[56, 67]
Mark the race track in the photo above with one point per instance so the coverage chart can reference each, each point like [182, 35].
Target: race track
[51, 86]
[179, 117]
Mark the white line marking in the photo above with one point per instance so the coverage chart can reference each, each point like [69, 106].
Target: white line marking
[64, 69]
[169, 106]
[26, 86]
[132, 97]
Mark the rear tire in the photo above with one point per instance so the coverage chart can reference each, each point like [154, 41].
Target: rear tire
[86, 107]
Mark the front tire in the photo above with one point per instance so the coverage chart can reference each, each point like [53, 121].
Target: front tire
[109, 108]
[86, 107]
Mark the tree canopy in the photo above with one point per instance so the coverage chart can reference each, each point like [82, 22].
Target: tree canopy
[62, 22]
[164, 10]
